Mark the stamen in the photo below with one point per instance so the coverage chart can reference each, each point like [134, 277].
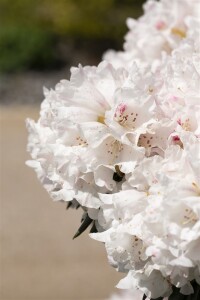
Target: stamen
[125, 118]
[186, 125]
[101, 119]
[179, 32]
[189, 217]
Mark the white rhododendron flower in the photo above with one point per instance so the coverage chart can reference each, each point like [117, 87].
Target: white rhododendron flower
[127, 295]
[122, 140]
[76, 140]
[156, 33]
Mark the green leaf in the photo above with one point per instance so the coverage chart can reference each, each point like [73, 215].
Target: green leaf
[69, 204]
[93, 228]
[85, 224]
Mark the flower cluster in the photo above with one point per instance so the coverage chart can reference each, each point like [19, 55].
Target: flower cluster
[156, 33]
[122, 140]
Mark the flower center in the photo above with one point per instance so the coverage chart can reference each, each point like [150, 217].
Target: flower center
[101, 119]
[189, 217]
[179, 32]
[80, 142]
[185, 125]
[125, 117]
[145, 140]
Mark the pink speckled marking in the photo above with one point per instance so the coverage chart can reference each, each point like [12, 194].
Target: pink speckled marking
[174, 98]
[120, 109]
[160, 25]
[179, 121]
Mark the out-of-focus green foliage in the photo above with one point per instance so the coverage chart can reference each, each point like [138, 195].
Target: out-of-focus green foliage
[32, 30]
[23, 47]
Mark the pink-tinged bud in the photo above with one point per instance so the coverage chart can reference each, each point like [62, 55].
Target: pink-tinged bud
[176, 138]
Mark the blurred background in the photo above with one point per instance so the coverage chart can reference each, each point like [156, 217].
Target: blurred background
[39, 41]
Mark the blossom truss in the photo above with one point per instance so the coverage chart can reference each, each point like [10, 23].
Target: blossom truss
[92, 127]
[152, 226]
[123, 142]
[156, 33]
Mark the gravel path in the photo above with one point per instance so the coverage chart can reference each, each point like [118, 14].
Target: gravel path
[27, 88]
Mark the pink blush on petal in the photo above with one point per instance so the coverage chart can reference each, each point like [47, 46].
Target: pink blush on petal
[179, 121]
[160, 25]
[120, 109]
